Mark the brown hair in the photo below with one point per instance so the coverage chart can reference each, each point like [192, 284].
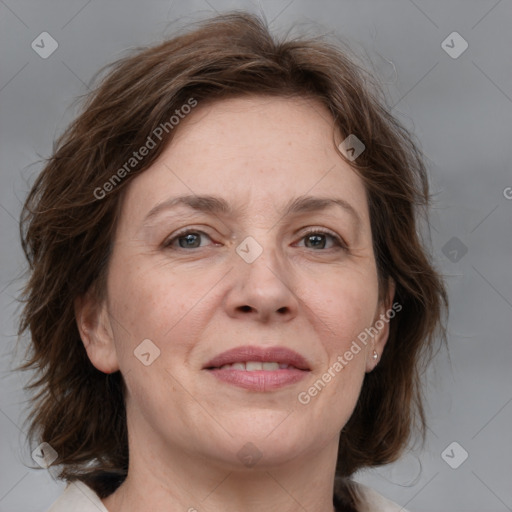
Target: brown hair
[67, 233]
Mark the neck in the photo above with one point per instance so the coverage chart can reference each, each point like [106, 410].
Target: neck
[181, 481]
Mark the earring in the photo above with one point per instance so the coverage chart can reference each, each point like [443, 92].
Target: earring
[375, 355]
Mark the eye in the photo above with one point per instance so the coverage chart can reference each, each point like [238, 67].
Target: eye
[190, 239]
[316, 239]
[322, 239]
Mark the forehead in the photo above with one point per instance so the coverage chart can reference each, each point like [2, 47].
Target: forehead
[253, 151]
[256, 129]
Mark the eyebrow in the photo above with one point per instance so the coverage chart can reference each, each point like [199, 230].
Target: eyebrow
[218, 205]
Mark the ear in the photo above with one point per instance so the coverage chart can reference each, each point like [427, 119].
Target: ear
[94, 326]
[385, 312]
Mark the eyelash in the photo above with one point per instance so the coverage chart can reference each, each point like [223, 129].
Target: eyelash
[339, 243]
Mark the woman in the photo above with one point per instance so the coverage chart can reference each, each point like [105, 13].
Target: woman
[229, 302]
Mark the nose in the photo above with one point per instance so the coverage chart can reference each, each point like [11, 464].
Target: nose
[262, 290]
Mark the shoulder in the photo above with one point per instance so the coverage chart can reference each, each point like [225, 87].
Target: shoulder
[78, 497]
[372, 501]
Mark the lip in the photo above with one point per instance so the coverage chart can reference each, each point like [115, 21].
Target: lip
[259, 380]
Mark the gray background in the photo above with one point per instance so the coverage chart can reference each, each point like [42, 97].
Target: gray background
[461, 110]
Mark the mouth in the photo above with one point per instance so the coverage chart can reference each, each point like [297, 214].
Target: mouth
[252, 366]
[259, 368]
[253, 358]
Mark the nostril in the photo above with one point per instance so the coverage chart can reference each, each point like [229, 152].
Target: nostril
[245, 309]
[283, 310]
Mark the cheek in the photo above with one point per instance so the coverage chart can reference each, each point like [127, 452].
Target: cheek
[157, 304]
[342, 311]
[154, 302]
[343, 304]
[341, 308]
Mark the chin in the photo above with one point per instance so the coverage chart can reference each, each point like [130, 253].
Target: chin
[263, 439]
[264, 425]
[256, 454]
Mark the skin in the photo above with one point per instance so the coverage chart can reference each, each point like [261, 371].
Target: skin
[185, 426]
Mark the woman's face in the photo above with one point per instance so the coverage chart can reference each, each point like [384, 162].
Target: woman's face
[248, 241]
